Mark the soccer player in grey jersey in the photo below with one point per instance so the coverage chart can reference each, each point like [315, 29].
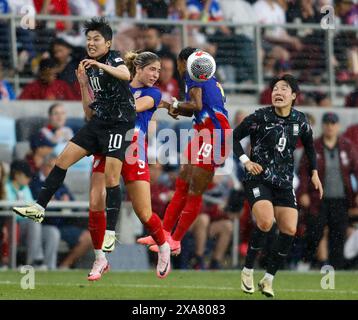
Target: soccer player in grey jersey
[274, 132]
[110, 108]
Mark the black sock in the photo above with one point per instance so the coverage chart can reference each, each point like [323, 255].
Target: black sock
[52, 183]
[256, 243]
[279, 253]
[113, 205]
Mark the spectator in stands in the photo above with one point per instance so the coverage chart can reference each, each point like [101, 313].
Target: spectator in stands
[56, 132]
[352, 98]
[351, 134]
[40, 148]
[207, 10]
[167, 84]
[32, 233]
[347, 11]
[126, 8]
[66, 65]
[270, 12]
[6, 91]
[85, 8]
[213, 223]
[153, 42]
[317, 97]
[337, 159]
[55, 7]
[72, 231]
[47, 87]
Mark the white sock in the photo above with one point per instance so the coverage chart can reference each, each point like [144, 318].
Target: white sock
[248, 270]
[99, 254]
[269, 276]
[164, 246]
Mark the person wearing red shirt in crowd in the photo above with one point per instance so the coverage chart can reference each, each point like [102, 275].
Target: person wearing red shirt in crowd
[55, 7]
[47, 87]
[167, 84]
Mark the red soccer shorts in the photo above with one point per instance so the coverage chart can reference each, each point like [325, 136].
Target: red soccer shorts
[209, 147]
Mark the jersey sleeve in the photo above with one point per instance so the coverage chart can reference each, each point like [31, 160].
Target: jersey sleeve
[115, 59]
[241, 131]
[307, 141]
[156, 95]
[192, 84]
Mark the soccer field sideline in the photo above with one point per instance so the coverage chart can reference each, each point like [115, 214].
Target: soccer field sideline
[179, 285]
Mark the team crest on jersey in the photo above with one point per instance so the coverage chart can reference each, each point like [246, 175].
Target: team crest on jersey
[137, 94]
[100, 71]
[296, 129]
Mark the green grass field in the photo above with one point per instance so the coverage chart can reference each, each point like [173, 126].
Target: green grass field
[179, 285]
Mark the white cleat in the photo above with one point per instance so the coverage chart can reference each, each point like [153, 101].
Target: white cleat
[265, 286]
[100, 266]
[109, 241]
[34, 212]
[247, 281]
[163, 266]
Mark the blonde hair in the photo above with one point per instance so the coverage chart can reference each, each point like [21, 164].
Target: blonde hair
[141, 60]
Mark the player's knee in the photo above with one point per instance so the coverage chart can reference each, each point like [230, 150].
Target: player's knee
[227, 226]
[264, 225]
[97, 200]
[203, 220]
[112, 180]
[290, 230]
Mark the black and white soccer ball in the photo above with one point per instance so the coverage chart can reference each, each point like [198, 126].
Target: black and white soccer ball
[201, 66]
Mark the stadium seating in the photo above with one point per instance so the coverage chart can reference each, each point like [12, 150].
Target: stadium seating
[7, 138]
[26, 127]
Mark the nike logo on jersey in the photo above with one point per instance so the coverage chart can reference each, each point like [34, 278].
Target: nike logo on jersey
[111, 150]
[269, 127]
[140, 173]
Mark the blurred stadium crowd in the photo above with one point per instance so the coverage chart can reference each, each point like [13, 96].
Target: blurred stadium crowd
[43, 69]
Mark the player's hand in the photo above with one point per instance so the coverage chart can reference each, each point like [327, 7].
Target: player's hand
[87, 63]
[317, 183]
[81, 75]
[305, 200]
[253, 167]
[174, 113]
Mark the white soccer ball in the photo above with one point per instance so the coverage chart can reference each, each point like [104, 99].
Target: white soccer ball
[201, 66]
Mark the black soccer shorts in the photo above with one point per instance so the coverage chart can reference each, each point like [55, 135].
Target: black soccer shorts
[256, 191]
[102, 137]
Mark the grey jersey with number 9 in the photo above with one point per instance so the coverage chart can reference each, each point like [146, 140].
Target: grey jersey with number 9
[273, 141]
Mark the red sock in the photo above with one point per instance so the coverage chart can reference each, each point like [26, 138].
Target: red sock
[155, 229]
[176, 205]
[97, 228]
[190, 212]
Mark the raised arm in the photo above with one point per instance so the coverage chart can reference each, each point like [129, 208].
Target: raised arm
[240, 132]
[86, 93]
[120, 72]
